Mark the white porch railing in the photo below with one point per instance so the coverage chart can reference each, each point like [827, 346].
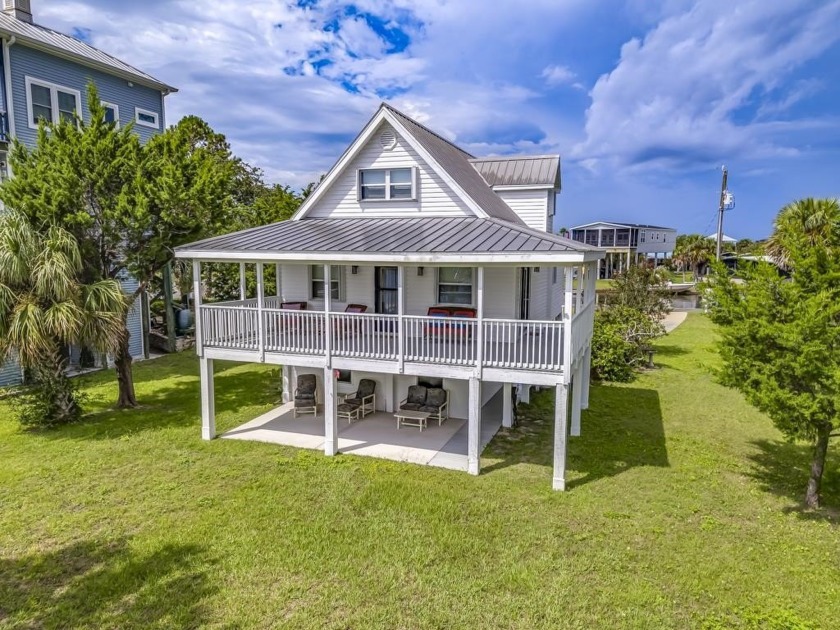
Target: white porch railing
[526, 345]
[365, 336]
[446, 340]
[510, 344]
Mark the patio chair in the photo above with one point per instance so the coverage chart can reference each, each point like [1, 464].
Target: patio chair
[432, 400]
[354, 325]
[364, 398]
[306, 395]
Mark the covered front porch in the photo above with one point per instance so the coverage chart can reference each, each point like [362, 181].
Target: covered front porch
[377, 435]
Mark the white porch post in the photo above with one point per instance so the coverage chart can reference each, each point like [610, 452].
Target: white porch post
[208, 399]
[525, 394]
[243, 289]
[330, 413]
[400, 315]
[507, 405]
[474, 428]
[327, 319]
[577, 389]
[277, 284]
[260, 309]
[561, 409]
[585, 373]
[568, 305]
[479, 324]
[199, 332]
[287, 384]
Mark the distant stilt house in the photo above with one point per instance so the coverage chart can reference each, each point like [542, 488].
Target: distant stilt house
[624, 244]
[44, 77]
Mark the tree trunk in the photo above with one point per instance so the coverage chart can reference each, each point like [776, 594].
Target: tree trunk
[812, 495]
[125, 377]
[54, 385]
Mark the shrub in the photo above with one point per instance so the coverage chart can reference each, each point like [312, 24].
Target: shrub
[621, 341]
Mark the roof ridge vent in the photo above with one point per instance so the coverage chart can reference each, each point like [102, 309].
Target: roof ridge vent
[18, 9]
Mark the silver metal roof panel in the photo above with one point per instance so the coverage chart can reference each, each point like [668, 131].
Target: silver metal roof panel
[525, 170]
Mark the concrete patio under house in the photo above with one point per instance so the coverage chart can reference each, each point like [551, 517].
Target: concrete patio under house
[416, 284]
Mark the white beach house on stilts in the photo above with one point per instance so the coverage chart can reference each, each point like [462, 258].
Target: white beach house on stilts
[413, 267]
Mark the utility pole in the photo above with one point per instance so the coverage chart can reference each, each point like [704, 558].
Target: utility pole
[721, 208]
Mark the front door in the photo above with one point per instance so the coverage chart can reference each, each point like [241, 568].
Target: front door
[524, 293]
[386, 292]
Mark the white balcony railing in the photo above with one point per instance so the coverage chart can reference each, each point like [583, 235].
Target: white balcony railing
[507, 344]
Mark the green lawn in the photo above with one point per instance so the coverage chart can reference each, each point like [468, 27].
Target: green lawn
[682, 512]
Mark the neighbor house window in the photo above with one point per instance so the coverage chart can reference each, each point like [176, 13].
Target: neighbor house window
[112, 113]
[386, 184]
[642, 236]
[455, 285]
[146, 118]
[317, 275]
[50, 102]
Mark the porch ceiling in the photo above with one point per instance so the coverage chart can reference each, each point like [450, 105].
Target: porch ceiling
[425, 240]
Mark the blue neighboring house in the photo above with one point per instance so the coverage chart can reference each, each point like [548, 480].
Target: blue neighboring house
[44, 74]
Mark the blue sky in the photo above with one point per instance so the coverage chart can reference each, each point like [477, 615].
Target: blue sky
[644, 100]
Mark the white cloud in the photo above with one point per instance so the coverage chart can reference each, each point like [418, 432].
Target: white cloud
[688, 93]
[558, 75]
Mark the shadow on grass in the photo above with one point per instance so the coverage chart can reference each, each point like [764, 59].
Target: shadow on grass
[173, 400]
[782, 468]
[105, 584]
[622, 429]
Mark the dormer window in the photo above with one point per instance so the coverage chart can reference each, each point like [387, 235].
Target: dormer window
[385, 184]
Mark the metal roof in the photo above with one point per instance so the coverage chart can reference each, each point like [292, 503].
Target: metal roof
[457, 163]
[524, 170]
[42, 37]
[370, 237]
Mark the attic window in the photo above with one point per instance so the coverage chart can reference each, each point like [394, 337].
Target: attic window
[146, 118]
[387, 184]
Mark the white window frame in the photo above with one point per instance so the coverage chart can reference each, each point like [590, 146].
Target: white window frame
[54, 89]
[116, 109]
[471, 284]
[387, 172]
[336, 277]
[642, 235]
[147, 112]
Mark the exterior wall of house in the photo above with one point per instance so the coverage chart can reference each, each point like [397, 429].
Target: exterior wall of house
[657, 241]
[420, 291]
[434, 198]
[532, 206]
[25, 61]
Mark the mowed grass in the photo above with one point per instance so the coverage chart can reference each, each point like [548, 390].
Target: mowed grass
[682, 512]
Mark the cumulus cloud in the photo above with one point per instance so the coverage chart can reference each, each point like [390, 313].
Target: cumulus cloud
[558, 75]
[689, 92]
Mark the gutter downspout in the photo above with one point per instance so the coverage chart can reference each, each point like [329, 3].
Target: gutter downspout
[7, 75]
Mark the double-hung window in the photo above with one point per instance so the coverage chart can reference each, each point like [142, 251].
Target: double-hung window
[455, 285]
[385, 184]
[51, 103]
[317, 282]
[112, 113]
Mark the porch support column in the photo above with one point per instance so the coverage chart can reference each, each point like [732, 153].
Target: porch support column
[243, 288]
[474, 428]
[577, 388]
[208, 399]
[277, 286]
[328, 320]
[507, 405]
[568, 302]
[260, 310]
[524, 394]
[561, 411]
[400, 316]
[287, 384]
[330, 413]
[199, 333]
[585, 374]
[479, 324]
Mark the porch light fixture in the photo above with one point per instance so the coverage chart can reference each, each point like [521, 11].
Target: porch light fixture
[536, 269]
[354, 269]
[420, 271]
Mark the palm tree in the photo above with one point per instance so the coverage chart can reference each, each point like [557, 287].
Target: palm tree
[44, 308]
[693, 250]
[811, 222]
